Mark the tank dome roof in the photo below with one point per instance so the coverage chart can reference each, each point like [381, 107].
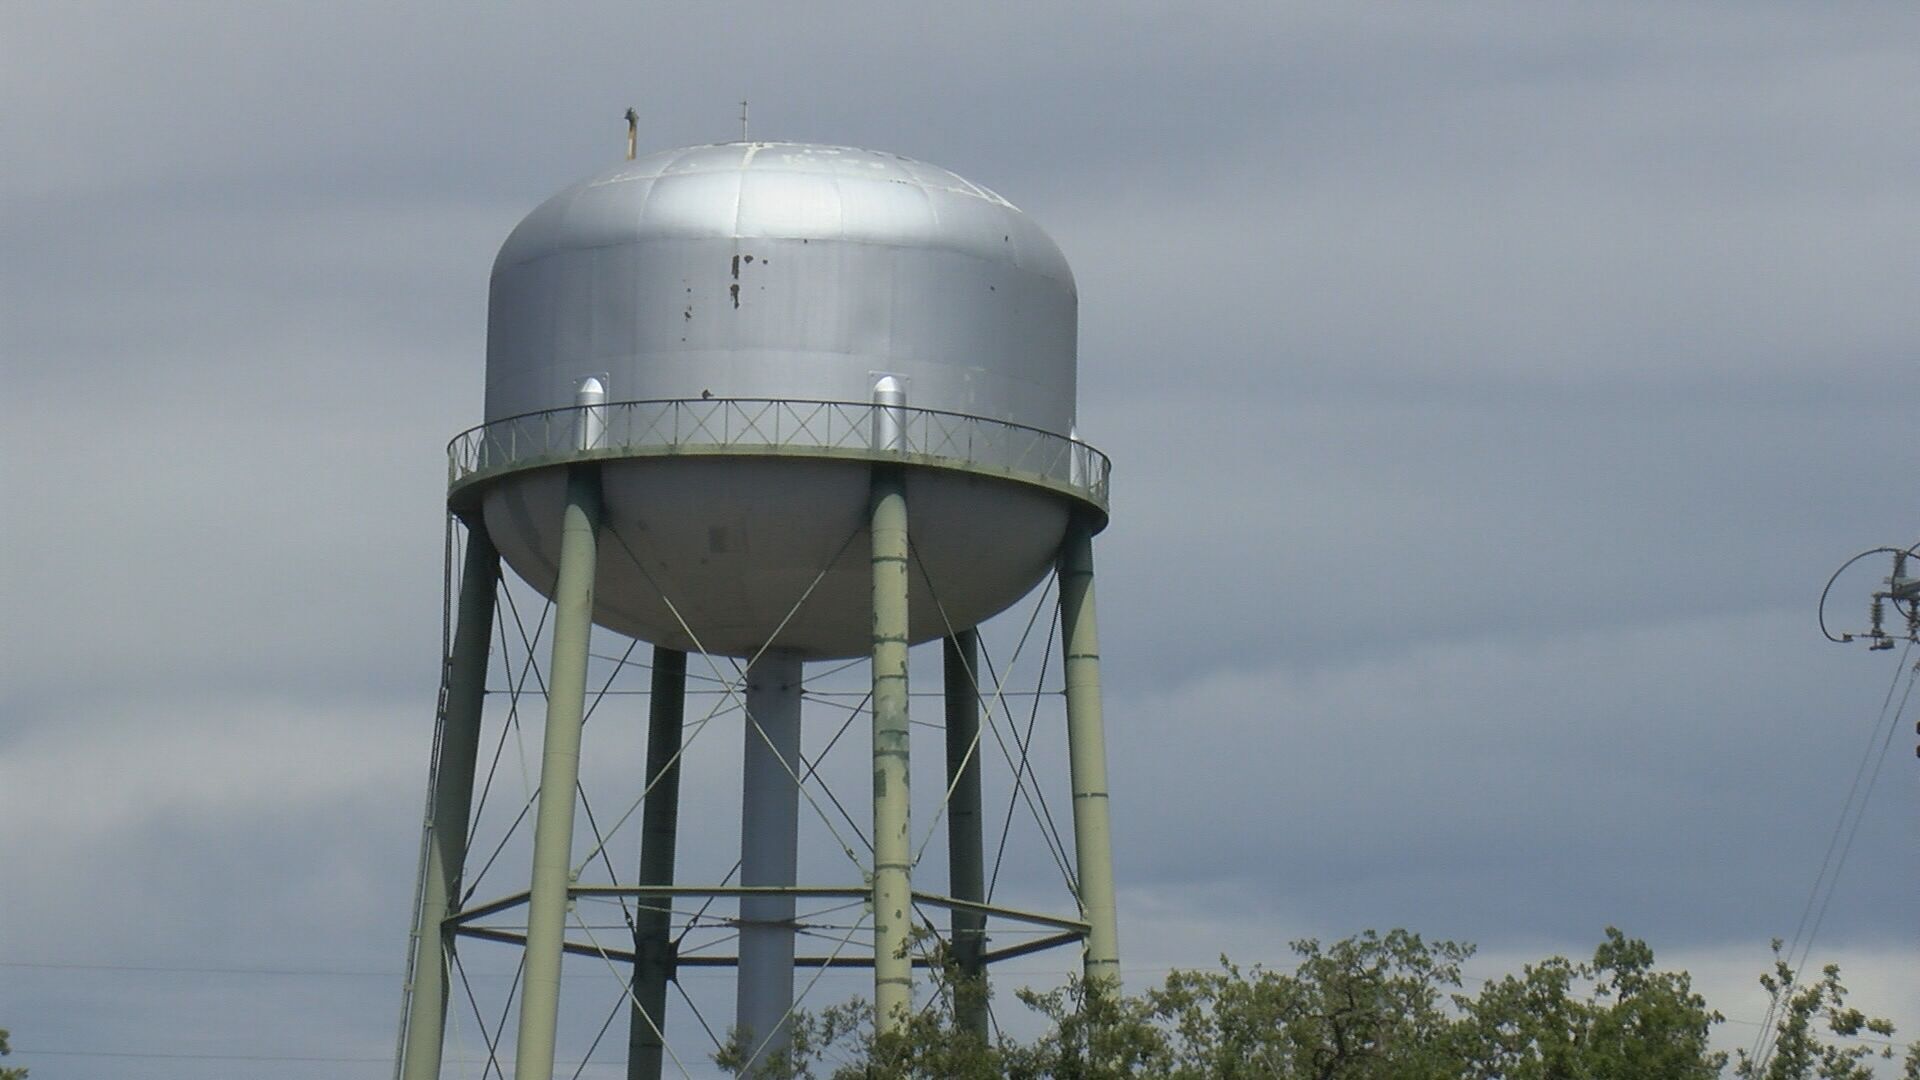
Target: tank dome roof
[783, 271]
[758, 190]
[741, 307]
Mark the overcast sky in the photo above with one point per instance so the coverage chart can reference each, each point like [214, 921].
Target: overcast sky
[1491, 388]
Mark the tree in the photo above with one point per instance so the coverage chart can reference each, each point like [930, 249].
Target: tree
[5, 1049]
[1365, 1006]
[1613, 1017]
[1799, 1051]
[1370, 1007]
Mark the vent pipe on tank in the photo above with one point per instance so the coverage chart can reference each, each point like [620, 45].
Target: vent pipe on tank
[890, 419]
[592, 400]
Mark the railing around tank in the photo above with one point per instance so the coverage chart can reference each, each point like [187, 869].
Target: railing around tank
[781, 426]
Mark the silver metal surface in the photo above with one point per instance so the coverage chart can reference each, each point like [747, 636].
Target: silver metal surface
[777, 428]
[740, 304]
[591, 400]
[775, 270]
[889, 415]
[722, 515]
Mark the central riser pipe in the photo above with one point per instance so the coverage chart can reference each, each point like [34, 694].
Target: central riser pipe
[769, 853]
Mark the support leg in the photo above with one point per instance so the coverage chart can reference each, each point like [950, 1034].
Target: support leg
[559, 776]
[966, 859]
[452, 803]
[1087, 754]
[892, 849]
[769, 851]
[653, 923]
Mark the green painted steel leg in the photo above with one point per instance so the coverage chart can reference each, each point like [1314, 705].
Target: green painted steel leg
[1087, 756]
[452, 802]
[966, 856]
[559, 776]
[892, 850]
[653, 923]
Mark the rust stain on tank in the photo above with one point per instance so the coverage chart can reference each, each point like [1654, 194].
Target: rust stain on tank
[735, 290]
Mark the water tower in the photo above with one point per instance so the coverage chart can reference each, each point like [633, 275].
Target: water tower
[783, 404]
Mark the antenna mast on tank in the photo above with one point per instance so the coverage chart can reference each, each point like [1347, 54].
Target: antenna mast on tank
[743, 119]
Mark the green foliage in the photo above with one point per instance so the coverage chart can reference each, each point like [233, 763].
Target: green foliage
[841, 1042]
[1613, 1017]
[1094, 1033]
[5, 1049]
[1371, 1007]
[1365, 1006]
[1800, 1051]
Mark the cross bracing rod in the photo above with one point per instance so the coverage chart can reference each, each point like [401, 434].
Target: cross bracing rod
[575, 948]
[1072, 929]
[732, 690]
[1035, 799]
[966, 857]
[966, 846]
[465, 919]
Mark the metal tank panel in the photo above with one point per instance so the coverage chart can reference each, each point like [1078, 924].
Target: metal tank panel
[783, 271]
[799, 273]
[734, 543]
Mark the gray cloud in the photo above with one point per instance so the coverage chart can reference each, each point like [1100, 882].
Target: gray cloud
[1490, 393]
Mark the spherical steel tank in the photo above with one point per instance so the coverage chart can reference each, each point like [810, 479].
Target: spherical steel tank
[739, 303]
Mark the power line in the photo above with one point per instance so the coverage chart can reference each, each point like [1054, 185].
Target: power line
[1852, 812]
[159, 1054]
[165, 1055]
[172, 970]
